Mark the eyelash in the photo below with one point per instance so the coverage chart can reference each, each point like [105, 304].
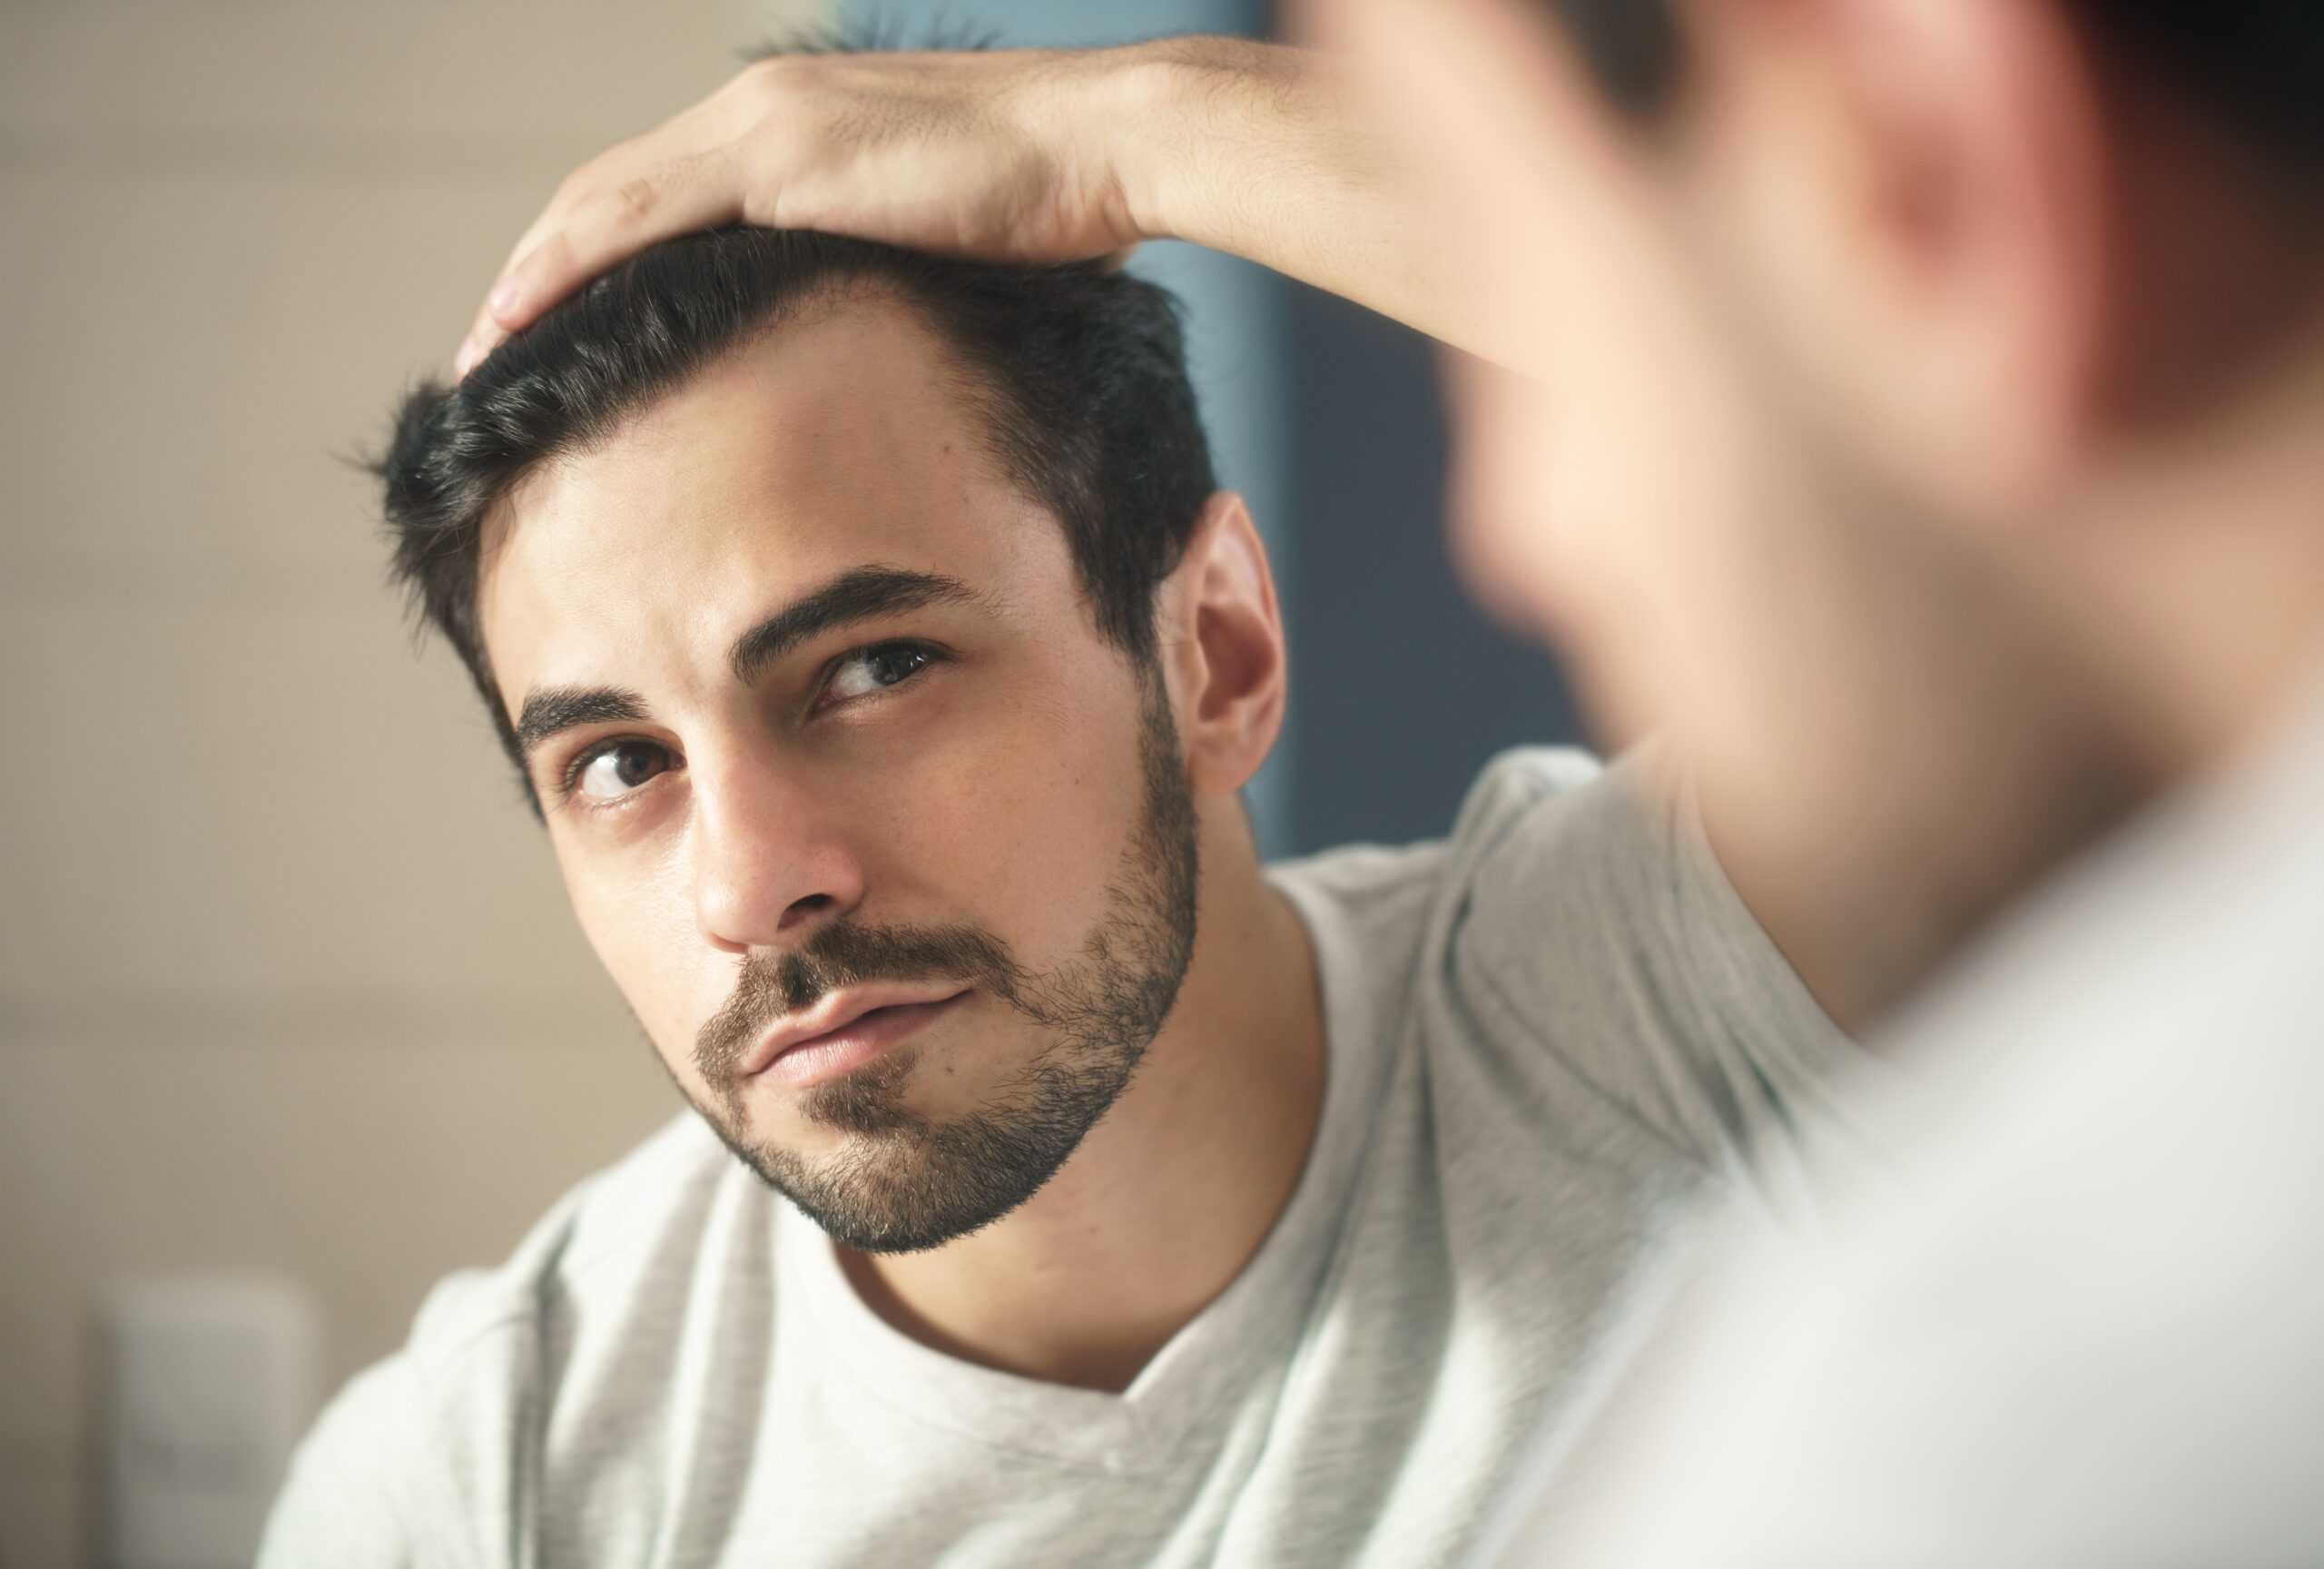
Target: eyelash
[929, 654]
[569, 779]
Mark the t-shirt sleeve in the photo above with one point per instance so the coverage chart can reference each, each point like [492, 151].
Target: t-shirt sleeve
[419, 1461]
[1599, 948]
[358, 1495]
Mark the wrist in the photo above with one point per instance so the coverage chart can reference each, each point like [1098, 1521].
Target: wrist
[1163, 112]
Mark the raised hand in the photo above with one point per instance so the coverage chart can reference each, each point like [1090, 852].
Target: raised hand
[1033, 155]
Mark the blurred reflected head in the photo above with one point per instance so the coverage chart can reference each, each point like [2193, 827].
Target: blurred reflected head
[1914, 399]
[2257, 63]
[817, 590]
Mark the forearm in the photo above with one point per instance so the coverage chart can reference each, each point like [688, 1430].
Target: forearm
[1031, 155]
[1267, 153]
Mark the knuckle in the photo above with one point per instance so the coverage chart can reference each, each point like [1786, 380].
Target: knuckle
[633, 200]
[774, 76]
[575, 187]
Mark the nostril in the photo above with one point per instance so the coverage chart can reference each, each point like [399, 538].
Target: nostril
[801, 909]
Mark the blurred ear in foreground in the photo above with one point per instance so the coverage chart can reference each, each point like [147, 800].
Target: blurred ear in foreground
[1989, 236]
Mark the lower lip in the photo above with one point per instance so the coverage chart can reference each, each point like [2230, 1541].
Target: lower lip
[853, 1044]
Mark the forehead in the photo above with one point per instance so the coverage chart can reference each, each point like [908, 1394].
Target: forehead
[837, 440]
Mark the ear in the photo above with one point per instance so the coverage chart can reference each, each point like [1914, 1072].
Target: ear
[1222, 654]
[1916, 192]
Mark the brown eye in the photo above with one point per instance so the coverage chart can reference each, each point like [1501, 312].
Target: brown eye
[615, 771]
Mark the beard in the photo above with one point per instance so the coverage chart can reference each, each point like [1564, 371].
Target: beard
[901, 1182]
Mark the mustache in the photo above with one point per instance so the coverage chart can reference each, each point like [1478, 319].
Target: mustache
[771, 986]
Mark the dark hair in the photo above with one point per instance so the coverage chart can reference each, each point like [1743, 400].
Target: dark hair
[1632, 47]
[2258, 64]
[1078, 375]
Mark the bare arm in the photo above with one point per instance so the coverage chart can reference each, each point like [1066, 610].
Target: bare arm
[1034, 156]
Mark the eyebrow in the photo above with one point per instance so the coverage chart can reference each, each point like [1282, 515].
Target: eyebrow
[855, 596]
[550, 709]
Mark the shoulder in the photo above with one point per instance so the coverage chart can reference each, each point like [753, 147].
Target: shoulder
[1608, 892]
[1386, 896]
[428, 1456]
[1516, 782]
[1586, 966]
[603, 1239]
[1545, 828]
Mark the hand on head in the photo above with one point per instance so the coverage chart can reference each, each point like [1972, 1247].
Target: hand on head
[1026, 156]
[967, 153]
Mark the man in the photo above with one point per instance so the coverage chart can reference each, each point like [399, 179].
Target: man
[884, 666]
[1925, 423]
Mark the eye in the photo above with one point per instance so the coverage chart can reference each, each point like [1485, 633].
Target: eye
[612, 772]
[868, 670]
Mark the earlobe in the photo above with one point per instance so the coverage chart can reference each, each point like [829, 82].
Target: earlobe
[1228, 663]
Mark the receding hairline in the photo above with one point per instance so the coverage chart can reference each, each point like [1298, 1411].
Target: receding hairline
[822, 300]
[826, 300]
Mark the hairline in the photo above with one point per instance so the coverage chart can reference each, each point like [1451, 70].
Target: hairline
[819, 302]
[975, 389]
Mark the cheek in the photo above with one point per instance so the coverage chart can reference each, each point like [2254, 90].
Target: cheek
[638, 915]
[1018, 826]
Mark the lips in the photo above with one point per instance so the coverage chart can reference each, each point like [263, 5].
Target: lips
[845, 1029]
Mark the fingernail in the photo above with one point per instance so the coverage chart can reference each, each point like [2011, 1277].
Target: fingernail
[504, 296]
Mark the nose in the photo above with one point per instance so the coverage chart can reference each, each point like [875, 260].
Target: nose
[770, 863]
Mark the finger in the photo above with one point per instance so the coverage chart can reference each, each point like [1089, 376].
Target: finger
[484, 336]
[612, 225]
[675, 144]
[546, 265]
[485, 332]
[1114, 260]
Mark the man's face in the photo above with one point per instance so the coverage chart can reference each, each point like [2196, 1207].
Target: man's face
[891, 853]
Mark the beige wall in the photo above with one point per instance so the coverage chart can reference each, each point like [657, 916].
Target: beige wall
[286, 979]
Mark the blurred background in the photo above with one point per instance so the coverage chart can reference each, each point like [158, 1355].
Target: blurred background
[288, 987]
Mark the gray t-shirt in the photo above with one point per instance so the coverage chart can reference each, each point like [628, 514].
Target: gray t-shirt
[1549, 1040]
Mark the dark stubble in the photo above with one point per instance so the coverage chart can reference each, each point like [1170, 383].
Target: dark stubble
[901, 1182]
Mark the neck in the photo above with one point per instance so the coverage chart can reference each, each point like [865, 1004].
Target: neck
[2191, 564]
[1937, 749]
[1173, 1191]
[2008, 698]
